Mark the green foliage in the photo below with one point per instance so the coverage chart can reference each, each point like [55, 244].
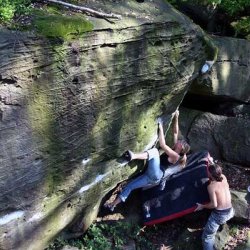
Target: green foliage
[8, 8]
[242, 27]
[232, 10]
[233, 230]
[95, 239]
[57, 244]
[106, 237]
[61, 26]
[231, 7]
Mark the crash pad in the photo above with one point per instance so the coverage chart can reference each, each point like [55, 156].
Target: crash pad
[181, 193]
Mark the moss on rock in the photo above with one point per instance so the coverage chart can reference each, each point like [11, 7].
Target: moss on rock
[211, 49]
[41, 117]
[65, 27]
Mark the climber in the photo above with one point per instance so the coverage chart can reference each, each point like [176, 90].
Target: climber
[220, 202]
[154, 174]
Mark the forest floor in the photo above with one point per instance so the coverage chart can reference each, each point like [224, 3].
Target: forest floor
[184, 233]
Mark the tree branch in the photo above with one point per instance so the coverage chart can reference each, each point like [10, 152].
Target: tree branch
[87, 10]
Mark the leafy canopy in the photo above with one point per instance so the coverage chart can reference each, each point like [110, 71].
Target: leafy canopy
[235, 11]
[231, 7]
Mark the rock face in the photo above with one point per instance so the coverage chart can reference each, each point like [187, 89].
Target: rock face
[69, 109]
[226, 138]
[230, 75]
[225, 91]
[241, 201]
[225, 134]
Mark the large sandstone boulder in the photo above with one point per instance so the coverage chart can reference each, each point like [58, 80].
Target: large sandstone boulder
[241, 202]
[230, 75]
[69, 109]
[226, 138]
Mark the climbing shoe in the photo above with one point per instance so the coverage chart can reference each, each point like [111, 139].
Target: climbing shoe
[127, 155]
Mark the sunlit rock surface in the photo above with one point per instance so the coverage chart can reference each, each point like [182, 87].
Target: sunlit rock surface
[225, 91]
[230, 75]
[69, 109]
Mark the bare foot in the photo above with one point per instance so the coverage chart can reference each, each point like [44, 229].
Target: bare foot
[109, 206]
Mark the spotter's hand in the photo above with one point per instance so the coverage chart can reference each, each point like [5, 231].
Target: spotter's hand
[199, 207]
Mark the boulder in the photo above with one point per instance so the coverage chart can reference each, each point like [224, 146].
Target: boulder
[194, 239]
[222, 237]
[226, 138]
[241, 201]
[67, 247]
[230, 75]
[68, 109]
